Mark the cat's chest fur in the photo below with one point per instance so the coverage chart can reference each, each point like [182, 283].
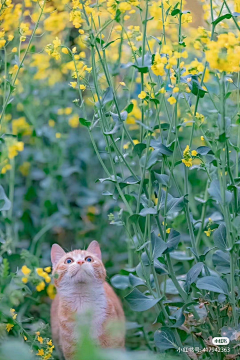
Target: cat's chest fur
[88, 306]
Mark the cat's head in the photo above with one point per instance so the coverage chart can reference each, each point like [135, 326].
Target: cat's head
[77, 266]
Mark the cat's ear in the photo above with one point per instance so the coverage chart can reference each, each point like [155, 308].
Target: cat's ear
[94, 248]
[56, 253]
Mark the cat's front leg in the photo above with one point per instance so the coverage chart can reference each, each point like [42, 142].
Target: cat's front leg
[69, 349]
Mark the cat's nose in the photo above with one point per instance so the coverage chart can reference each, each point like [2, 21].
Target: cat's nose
[80, 262]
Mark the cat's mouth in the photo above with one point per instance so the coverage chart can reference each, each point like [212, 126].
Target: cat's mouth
[81, 273]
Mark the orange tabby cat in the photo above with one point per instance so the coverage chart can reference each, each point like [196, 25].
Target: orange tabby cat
[79, 277]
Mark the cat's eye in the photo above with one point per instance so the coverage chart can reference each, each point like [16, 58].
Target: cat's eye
[89, 259]
[68, 261]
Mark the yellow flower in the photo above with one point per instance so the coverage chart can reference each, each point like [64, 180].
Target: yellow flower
[14, 315]
[73, 84]
[58, 135]
[158, 65]
[176, 89]
[74, 121]
[162, 91]
[24, 280]
[47, 279]
[187, 163]
[51, 123]
[40, 339]
[142, 95]
[2, 43]
[40, 352]
[122, 83]
[172, 100]
[49, 343]
[194, 153]
[168, 230]
[9, 327]
[51, 291]
[37, 333]
[24, 168]
[135, 142]
[14, 50]
[65, 51]
[56, 42]
[26, 270]
[10, 37]
[82, 87]
[68, 111]
[208, 232]
[126, 146]
[40, 272]
[202, 138]
[25, 338]
[48, 269]
[40, 286]
[124, 6]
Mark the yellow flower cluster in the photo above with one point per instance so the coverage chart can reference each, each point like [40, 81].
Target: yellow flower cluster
[21, 126]
[134, 115]
[43, 274]
[187, 156]
[51, 291]
[47, 353]
[224, 54]
[26, 271]
[15, 148]
[53, 49]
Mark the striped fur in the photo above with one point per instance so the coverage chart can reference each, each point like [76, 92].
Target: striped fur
[85, 298]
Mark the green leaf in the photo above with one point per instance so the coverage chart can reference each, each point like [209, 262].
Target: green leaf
[158, 246]
[203, 150]
[107, 96]
[213, 283]
[118, 16]
[192, 275]
[135, 281]
[165, 339]
[100, 41]
[148, 211]
[111, 179]
[109, 43]
[221, 260]
[15, 349]
[220, 237]
[131, 180]
[152, 159]
[156, 144]
[215, 192]
[85, 122]
[145, 21]
[162, 179]
[138, 149]
[146, 63]
[5, 203]
[173, 241]
[196, 87]
[129, 108]
[120, 282]
[221, 18]
[175, 204]
[236, 224]
[175, 12]
[140, 302]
